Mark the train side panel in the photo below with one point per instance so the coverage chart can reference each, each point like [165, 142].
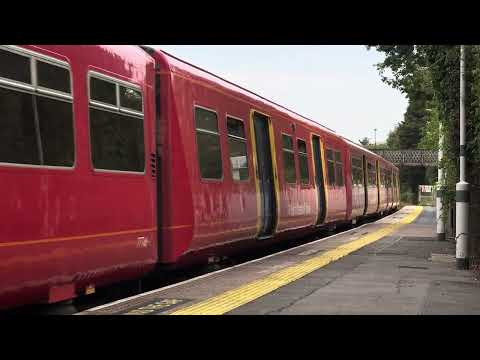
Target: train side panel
[298, 205]
[76, 226]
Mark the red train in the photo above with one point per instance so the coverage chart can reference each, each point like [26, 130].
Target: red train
[117, 159]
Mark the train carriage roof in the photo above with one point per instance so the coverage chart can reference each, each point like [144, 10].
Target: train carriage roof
[187, 69]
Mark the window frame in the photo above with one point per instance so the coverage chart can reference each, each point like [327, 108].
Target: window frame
[35, 90]
[219, 134]
[98, 105]
[237, 138]
[291, 136]
[305, 154]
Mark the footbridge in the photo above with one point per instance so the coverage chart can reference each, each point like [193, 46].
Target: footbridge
[410, 157]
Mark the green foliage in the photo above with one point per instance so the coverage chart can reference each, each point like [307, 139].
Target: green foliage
[429, 139]
[429, 75]
[365, 141]
[409, 74]
[378, 146]
[393, 139]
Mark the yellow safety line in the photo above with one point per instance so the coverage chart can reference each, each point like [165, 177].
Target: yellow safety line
[244, 294]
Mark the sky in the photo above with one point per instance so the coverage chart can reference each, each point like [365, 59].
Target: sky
[335, 85]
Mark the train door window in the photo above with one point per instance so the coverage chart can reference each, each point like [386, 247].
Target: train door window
[357, 172]
[116, 134]
[303, 161]
[288, 159]
[338, 169]
[330, 167]
[237, 144]
[208, 144]
[37, 119]
[372, 175]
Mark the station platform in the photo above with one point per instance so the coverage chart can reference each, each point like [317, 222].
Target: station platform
[392, 266]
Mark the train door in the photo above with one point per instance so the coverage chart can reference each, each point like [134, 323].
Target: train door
[365, 183]
[319, 183]
[379, 185]
[265, 176]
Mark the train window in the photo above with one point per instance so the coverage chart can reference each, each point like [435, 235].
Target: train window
[37, 129]
[208, 144]
[287, 142]
[116, 138]
[206, 120]
[235, 128]
[53, 77]
[130, 98]
[330, 167]
[289, 159]
[103, 91]
[372, 175]
[116, 141]
[56, 131]
[354, 170]
[357, 171]
[237, 144]
[14, 66]
[302, 147]
[303, 161]
[338, 169]
[18, 134]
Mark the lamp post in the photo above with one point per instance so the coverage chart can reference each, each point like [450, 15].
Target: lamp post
[440, 188]
[462, 193]
[375, 137]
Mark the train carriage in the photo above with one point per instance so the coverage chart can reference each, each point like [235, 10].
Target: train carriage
[115, 160]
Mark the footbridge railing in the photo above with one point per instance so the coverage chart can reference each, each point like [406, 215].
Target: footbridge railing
[410, 157]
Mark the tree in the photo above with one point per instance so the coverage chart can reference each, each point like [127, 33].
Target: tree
[365, 141]
[407, 65]
[393, 141]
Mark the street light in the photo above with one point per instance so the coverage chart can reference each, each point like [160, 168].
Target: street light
[462, 193]
[375, 138]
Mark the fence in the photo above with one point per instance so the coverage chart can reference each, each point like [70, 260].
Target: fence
[426, 195]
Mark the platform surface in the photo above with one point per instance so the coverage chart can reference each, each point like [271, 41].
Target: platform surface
[392, 266]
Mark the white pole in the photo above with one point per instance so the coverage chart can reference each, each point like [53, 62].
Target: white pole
[440, 188]
[462, 194]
